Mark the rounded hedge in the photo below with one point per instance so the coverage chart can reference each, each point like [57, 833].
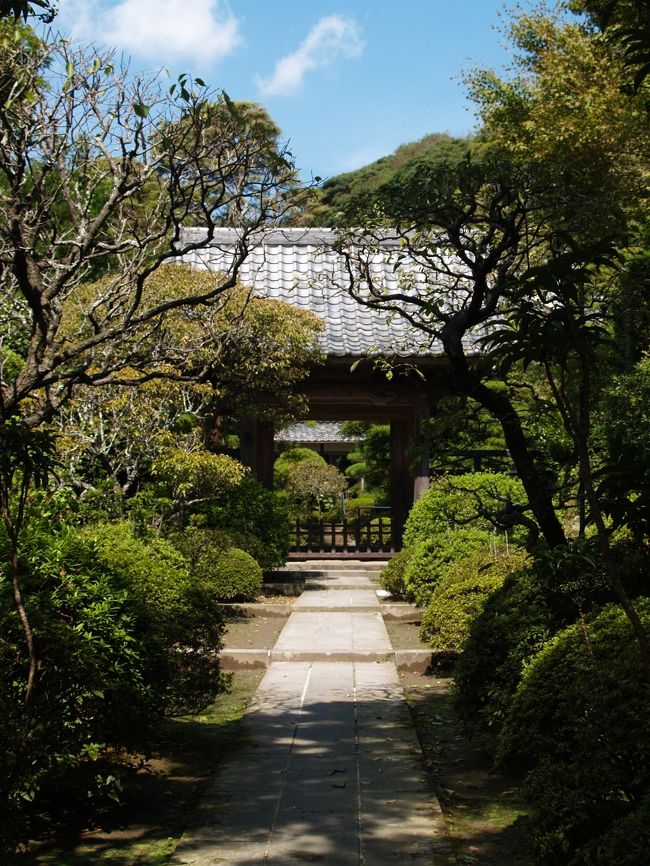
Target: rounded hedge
[233, 575]
[290, 458]
[199, 543]
[579, 724]
[430, 559]
[515, 622]
[626, 842]
[460, 596]
[453, 500]
[392, 577]
[178, 621]
[91, 687]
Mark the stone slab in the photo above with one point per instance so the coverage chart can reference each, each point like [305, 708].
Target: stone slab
[349, 598]
[334, 632]
[326, 766]
[336, 777]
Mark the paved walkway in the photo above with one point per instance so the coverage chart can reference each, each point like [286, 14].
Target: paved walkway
[326, 767]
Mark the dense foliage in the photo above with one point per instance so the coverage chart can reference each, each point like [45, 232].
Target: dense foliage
[430, 559]
[460, 596]
[233, 575]
[455, 500]
[576, 694]
[253, 510]
[392, 576]
[533, 240]
[124, 634]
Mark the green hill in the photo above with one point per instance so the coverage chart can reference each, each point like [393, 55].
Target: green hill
[337, 192]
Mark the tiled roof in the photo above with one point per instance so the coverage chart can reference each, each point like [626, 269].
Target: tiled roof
[325, 431]
[299, 266]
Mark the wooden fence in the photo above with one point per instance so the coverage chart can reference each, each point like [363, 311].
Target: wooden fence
[343, 536]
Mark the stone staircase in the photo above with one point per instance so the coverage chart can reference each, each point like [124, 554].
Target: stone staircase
[339, 608]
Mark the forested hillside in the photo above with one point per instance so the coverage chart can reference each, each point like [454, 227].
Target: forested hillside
[336, 194]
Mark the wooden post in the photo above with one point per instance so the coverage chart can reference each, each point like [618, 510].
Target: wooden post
[401, 479]
[421, 480]
[256, 449]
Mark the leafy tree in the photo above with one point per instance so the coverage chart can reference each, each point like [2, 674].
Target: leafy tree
[45, 10]
[471, 230]
[65, 137]
[371, 460]
[223, 361]
[194, 477]
[290, 457]
[626, 24]
[312, 483]
[493, 241]
[563, 107]
[100, 171]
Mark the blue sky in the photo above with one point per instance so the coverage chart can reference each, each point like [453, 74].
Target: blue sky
[347, 81]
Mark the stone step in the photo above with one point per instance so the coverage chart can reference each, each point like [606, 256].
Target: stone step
[336, 565]
[406, 661]
[400, 611]
[352, 574]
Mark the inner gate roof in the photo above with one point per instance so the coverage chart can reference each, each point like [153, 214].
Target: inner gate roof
[301, 267]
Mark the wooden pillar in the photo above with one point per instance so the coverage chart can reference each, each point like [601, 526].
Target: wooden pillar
[421, 468]
[256, 448]
[401, 479]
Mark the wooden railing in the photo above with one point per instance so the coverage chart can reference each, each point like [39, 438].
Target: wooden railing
[343, 536]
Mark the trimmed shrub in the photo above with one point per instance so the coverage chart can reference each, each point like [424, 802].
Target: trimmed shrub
[232, 575]
[392, 577]
[431, 559]
[626, 842]
[460, 596]
[533, 604]
[290, 458]
[453, 500]
[253, 510]
[363, 500]
[90, 691]
[198, 542]
[178, 621]
[516, 621]
[579, 724]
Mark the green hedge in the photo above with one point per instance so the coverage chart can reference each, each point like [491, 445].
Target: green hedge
[255, 511]
[452, 500]
[431, 559]
[177, 618]
[392, 577]
[233, 575]
[460, 597]
[578, 724]
[91, 689]
[625, 843]
[516, 621]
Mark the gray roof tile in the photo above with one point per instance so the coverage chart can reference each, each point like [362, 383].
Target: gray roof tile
[299, 266]
[325, 431]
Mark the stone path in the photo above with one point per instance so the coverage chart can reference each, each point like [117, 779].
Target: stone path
[326, 767]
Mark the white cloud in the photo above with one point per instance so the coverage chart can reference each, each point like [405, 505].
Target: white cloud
[166, 31]
[331, 38]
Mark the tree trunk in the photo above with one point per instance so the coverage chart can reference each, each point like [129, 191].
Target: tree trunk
[534, 480]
